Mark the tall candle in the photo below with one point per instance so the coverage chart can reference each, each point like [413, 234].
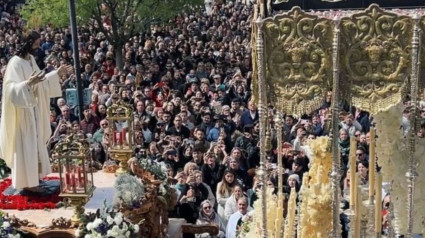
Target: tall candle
[378, 204]
[291, 214]
[353, 183]
[372, 162]
[276, 228]
[123, 137]
[67, 178]
[80, 180]
[118, 138]
[114, 139]
[357, 211]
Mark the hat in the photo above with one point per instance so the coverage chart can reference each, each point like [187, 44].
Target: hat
[294, 177]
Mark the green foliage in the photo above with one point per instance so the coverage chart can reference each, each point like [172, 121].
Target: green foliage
[130, 16]
[4, 170]
[41, 12]
[127, 17]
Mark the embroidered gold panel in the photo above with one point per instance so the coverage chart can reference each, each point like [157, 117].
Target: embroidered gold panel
[297, 55]
[375, 58]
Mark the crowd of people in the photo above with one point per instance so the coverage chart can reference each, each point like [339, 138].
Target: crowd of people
[189, 83]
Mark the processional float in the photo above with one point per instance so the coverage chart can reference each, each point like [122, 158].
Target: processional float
[372, 60]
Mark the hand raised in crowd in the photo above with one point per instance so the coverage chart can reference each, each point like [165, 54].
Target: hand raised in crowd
[225, 160]
[36, 78]
[190, 179]
[64, 70]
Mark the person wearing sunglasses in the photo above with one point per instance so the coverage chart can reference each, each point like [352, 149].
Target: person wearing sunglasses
[207, 216]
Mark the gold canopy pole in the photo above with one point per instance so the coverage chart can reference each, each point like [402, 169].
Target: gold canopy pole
[335, 175]
[279, 222]
[411, 173]
[261, 172]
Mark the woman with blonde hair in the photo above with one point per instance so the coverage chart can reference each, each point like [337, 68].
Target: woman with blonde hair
[224, 191]
[189, 169]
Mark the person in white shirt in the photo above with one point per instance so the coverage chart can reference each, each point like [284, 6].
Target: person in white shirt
[235, 219]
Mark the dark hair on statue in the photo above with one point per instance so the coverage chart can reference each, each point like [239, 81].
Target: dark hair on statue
[28, 40]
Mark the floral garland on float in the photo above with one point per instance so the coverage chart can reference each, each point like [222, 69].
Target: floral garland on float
[139, 207]
[316, 192]
[158, 198]
[315, 209]
[392, 150]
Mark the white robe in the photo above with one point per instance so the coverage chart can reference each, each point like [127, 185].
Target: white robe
[25, 125]
[232, 224]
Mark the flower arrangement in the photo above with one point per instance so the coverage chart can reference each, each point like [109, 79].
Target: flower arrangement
[155, 172]
[158, 170]
[6, 228]
[129, 191]
[106, 223]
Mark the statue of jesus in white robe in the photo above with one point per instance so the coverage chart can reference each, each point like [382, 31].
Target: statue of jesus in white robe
[25, 125]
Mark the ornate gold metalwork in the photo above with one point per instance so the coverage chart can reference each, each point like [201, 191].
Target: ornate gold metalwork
[72, 146]
[421, 83]
[333, 143]
[77, 202]
[375, 57]
[119, 111]
[298, 60]
[263, 113]
[411, 174]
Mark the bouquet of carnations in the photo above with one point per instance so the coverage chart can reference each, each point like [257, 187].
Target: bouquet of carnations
[106, 223]
[6, 228]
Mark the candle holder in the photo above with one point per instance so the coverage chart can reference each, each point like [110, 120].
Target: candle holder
[75, 173]
[120, 117]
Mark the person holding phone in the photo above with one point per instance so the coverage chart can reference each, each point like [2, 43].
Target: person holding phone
[25, 120]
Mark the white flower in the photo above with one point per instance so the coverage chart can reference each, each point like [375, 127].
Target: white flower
[87, 236]
[118, 218]
[124, 227]
[14, 236]
[77, 233]
[136, 228]
[5, 225]
[97, 222]
[109, 220]
[112, 233]
[89, 227]
[116, 230]
[127, 234]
